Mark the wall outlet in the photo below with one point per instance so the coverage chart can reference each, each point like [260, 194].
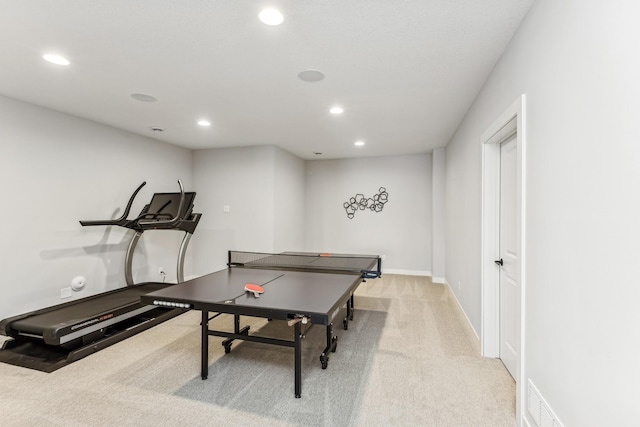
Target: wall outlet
[65, 293]
[384, 257]
[226, 209]
[162, 273]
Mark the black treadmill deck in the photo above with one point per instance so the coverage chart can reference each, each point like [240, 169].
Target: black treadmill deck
[54, 324]
[51, 338]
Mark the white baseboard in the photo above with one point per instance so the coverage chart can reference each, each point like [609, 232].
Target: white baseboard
[406, 272]
[438, 280]
[455, 297]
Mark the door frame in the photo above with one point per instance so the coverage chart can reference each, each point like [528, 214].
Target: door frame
[512, 119]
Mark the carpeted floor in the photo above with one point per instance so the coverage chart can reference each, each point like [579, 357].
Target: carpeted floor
[408, 359]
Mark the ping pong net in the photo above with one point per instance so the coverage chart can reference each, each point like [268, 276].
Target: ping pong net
[369, 266]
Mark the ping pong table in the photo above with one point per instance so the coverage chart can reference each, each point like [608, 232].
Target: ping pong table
[299, 287]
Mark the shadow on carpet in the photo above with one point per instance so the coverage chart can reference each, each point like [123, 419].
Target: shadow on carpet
[259, 378]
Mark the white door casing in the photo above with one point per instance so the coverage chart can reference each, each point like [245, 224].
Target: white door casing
[510, 122]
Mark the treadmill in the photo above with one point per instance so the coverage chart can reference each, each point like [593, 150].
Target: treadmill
[53, 337]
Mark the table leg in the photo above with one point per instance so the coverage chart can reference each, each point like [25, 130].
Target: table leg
[236, 329]
[352, 308]
[332, 344]
[298, 359]
[349, 316]
[236, 323]
[204, 368]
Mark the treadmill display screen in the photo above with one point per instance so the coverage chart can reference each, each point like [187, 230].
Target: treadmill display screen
[165, 205]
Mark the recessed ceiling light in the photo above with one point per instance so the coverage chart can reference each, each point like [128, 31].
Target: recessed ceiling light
[271, 17]
[143, 97]
[359, 143]
[204, 123]
[56, 59]
[336, 110]
[311, 76]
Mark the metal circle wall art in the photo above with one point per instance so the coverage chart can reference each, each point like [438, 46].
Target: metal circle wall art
[374, 203]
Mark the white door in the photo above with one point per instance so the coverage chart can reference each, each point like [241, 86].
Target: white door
[509, 286]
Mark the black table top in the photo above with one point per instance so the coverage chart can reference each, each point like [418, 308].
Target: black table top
[317, 295]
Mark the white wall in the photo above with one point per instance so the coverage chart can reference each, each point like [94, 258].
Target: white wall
[438, 215]
[289, 186]
[58, 169]
[577, 63]
[402, 231]
[254, 182]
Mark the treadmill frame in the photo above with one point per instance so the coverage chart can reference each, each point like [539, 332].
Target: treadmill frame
[61, 344]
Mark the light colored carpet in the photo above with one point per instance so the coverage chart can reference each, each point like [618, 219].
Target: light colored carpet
[408, 359]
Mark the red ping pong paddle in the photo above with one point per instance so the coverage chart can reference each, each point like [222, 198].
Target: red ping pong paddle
[253, 288]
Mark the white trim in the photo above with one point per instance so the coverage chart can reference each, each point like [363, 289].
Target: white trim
[462, 310]
[490, 328]
[438, 279]
[406, 272]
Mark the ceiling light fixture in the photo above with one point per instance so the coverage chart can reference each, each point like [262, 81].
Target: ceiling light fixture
[311, 76]
[143, 97]
[204, 123]
[56, 59]
[271, 17]
[336, 110]
[359, 143]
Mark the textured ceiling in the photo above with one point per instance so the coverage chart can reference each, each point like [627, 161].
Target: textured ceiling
[405, 72]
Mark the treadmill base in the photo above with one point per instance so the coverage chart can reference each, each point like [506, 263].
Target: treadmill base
[48, 358]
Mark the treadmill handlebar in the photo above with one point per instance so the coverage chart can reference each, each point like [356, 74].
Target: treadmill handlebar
[120, 221]
[146, 220]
